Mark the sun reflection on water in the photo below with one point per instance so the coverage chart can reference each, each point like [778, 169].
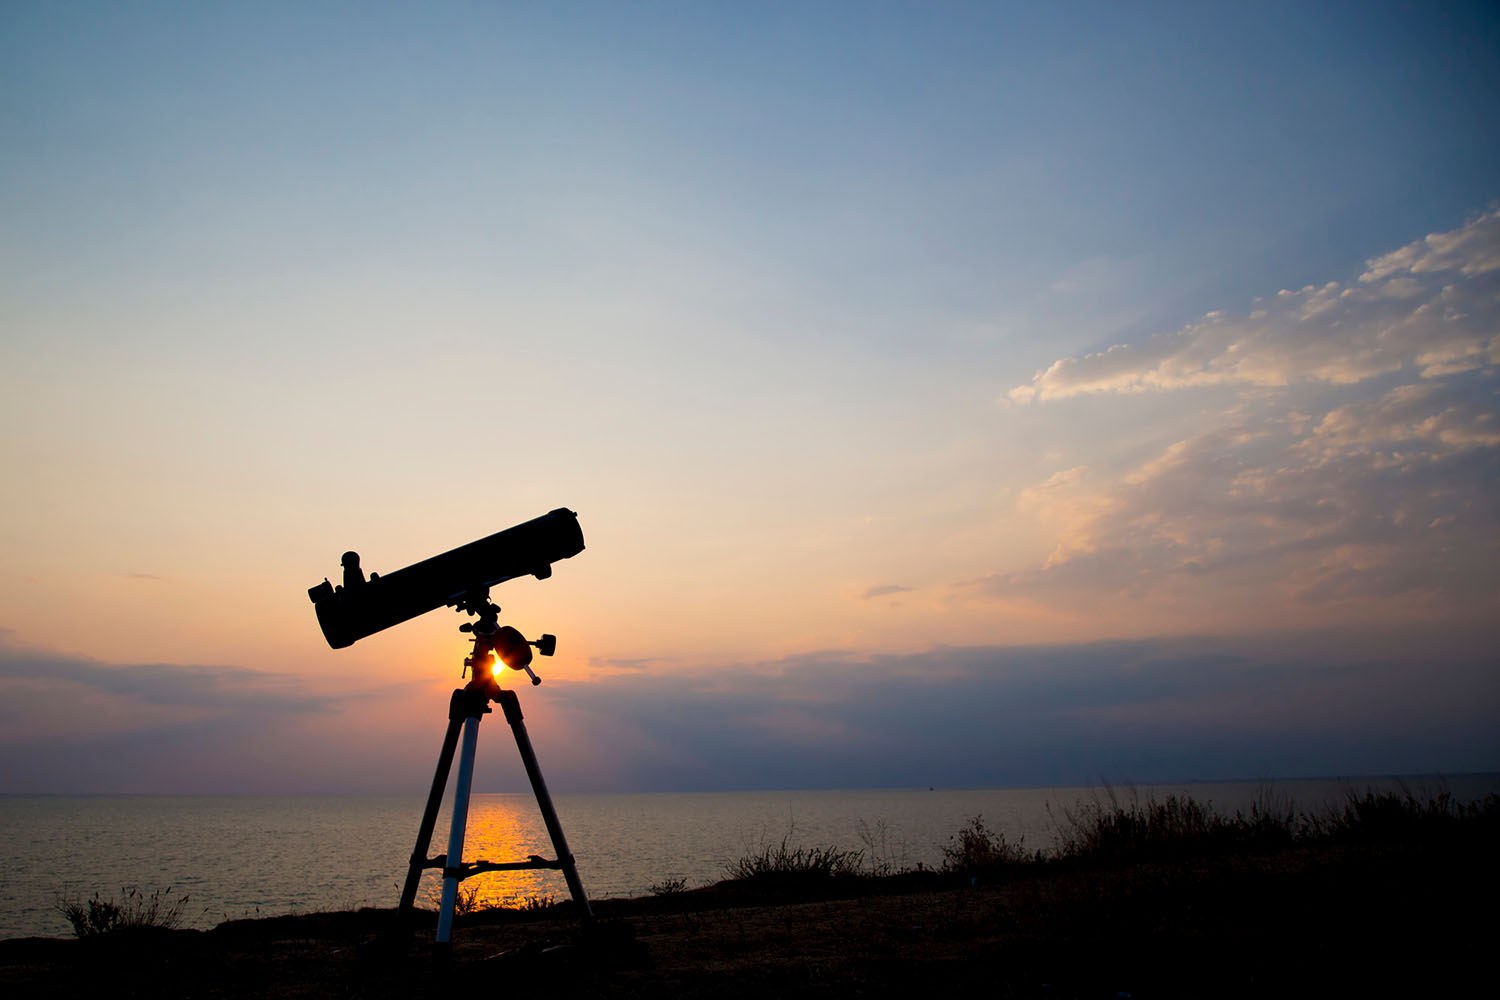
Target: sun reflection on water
[506, 828]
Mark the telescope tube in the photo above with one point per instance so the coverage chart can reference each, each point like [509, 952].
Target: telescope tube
[363, 607]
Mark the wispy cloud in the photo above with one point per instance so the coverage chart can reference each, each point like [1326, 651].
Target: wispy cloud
[1428, 309]
[1354, 455]
[621, 663]
[883, 590]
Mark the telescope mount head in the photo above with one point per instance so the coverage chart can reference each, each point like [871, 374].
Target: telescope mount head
[491, 640]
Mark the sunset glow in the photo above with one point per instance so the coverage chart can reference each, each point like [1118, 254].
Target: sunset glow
[973, 394]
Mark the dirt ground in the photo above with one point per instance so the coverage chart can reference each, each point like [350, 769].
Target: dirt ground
[1367, 921]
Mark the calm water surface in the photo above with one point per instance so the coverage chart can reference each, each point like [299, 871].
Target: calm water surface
[233, 857]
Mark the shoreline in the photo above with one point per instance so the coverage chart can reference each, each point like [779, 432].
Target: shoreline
[233, 858]
[1299, 920]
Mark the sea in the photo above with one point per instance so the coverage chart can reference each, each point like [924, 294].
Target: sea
[219, 858]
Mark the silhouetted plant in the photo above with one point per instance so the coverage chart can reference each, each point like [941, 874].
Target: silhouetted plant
[133, 909]
[976, 849]
[880, 860]
[533, 904]
[466, 900]
[1403, 815]
[1273, 820]
[1115, 831]
[783, 861]
[668, 886]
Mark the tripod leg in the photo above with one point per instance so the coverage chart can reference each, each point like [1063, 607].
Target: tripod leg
[512, 706]
[456, 831]
[434, 802]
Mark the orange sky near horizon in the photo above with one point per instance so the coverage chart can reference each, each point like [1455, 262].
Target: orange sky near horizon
[900, 367]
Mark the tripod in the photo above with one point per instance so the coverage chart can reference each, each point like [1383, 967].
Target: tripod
[468, 705]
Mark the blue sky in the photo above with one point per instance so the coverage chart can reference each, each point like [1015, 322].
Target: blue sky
[852, 331]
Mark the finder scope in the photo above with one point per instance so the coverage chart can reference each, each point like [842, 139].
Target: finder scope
[363, 607]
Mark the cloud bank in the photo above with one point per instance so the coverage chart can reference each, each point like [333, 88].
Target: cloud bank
[1145, 710]
[1139, 710]
[74, 724]
[1349, 461]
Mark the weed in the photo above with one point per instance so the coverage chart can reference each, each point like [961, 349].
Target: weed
[783, 862]
[1403, 815]
[466, 900]
[534, 904]
[1174, 826]
[977, 849]
[133, 909]
[882, 860]
[1273, 820]
[668, 886]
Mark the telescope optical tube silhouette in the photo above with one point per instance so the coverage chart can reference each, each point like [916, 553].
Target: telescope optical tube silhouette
[363, 607]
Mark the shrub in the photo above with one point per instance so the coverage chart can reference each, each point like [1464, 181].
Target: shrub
[977, 849]
[133, 909]
[1179, 826]
[1274, 820]
[1112, 831]
[1402, 815]
[668, 886]
[782, 862]
[466, 900]
[535, 904]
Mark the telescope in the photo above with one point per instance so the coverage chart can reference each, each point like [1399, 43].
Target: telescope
[462, 577]
[362, 607]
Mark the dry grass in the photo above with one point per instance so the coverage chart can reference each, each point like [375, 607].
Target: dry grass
[132, 910]
[1116, 828]
[976, 850]
[784, 862]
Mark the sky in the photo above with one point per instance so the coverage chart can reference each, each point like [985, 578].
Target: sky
[951, 394]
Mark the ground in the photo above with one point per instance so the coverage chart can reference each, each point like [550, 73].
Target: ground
[1374, 920]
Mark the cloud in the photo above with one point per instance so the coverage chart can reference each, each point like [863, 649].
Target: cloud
[1140, 710]
[1392, 498]
[1428, 309]
[164, 685]
[621, 663]
[1196, 708]
[50, 701]
[74, 724]
[1431, 418]
[884, 589]
[1354, 458]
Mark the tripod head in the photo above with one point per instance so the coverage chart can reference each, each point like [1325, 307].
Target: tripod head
[491, 640]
